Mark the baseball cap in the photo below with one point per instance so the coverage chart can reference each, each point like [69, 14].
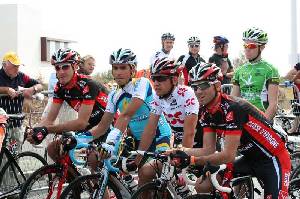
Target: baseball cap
[12, 57]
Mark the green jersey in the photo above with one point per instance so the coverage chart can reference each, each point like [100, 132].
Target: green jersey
[253, 80]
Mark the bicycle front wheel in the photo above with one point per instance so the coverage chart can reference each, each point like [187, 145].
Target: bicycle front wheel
[89, 187]
[294, 188]
[152, 190]
[43, 183]
[11, 178]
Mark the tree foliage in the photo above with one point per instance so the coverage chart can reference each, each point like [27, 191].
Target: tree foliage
[104, 77]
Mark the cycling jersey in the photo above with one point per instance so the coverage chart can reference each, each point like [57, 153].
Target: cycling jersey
[253, 80]
[189, 61]
[83, 90]
[262, 145]
[181, 103]
[161, 54]
[14, 106]
[217, 59]
[137, 88]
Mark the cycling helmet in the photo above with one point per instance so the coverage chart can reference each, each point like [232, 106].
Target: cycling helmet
[255, 34]
[165, 66]
[205, 72]
[220, 40]
[65, 56]
[123, 56]
[168, 36]
[193, 40]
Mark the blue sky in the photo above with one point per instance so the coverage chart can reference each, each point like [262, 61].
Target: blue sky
[103, 26]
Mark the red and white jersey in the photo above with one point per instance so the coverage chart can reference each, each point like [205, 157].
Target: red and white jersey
[181, 103]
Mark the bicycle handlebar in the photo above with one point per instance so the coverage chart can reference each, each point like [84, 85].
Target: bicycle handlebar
[214, 181]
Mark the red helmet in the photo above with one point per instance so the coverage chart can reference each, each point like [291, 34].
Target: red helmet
[165, 66]
[65, 56]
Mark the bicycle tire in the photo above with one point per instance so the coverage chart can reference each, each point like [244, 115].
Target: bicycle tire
[51, 173]
[295, 173]
[294, 188]
[162, 193]
[295, 160]
[88, 183]
[15, 178]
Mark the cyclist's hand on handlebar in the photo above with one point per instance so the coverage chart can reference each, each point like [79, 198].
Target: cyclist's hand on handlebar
[37, 135]
[105, 151]
[180, 159]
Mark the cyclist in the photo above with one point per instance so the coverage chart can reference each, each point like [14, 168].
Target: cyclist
[84, 95]
[179, 105]
[87, 65]
[192, 58]
[167, 42]
[132, 99]
[220, 58]
[244, 128]
[257, 80]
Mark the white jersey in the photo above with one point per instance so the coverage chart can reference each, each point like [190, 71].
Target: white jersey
[161, 54]
[181, 103]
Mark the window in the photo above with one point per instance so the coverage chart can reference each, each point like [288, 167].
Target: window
[50, 45]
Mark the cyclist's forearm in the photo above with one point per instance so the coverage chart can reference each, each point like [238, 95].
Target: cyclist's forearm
[73, 125]
[271, 112]
[147, 139]
[4, 90]
[215, 159]
[197, 152]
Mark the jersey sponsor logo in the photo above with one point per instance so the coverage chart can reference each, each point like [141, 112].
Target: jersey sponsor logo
[283, 195]
[174, 102]
[154, 103]
[174, 118]
[189, 102]
[229, 116]
[286, 179]
[266, 134]
[85, 90]
[181, 91]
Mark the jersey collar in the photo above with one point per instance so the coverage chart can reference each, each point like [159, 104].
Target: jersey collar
[72, 82]
[215, 105]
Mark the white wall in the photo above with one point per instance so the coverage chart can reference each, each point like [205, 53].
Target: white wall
[8, 24]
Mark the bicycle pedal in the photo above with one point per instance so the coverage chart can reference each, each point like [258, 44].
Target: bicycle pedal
[257, 191]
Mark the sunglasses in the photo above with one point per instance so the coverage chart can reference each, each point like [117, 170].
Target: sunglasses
[122, 67]
[63, 67]
[202, 86]
[250, 45]
[159, 78]
[194, 46]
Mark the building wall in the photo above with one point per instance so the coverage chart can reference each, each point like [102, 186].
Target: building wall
[21, 31]
[8, 38]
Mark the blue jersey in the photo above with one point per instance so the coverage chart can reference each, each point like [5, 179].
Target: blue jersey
[119, 99]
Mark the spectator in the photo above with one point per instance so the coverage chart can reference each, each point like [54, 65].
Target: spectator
[220, 58]
[12, 81]
[87, 65]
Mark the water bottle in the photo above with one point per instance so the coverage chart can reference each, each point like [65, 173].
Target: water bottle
[181, 187]
[132, 184]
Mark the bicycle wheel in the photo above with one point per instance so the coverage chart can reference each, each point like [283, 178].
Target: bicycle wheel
[43, 183]
[295, 160]
[243, 187]
[11, 178]
[88, 187]
[152, 190]
[295, 173]
[294, 188]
